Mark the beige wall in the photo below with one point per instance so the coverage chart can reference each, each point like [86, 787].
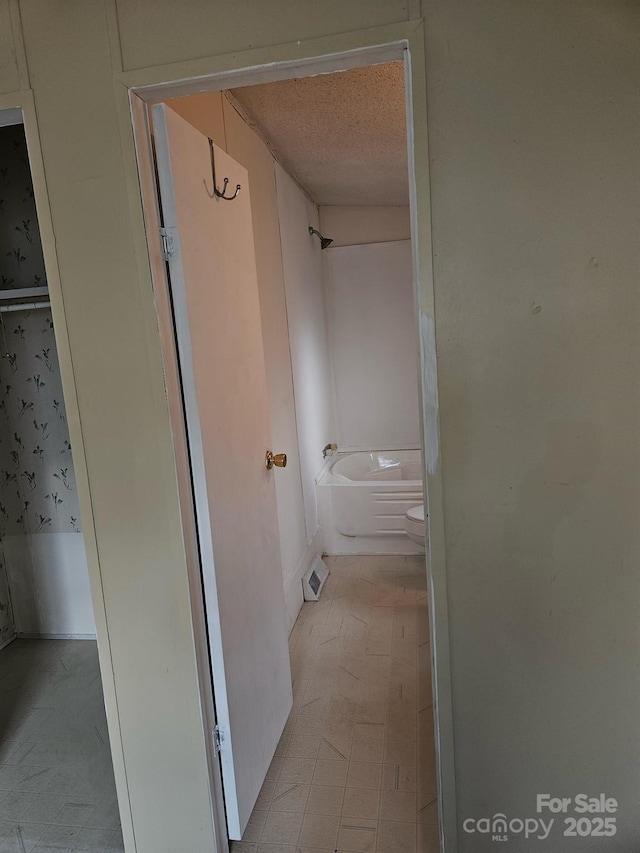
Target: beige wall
[353, 226]
[534, 139]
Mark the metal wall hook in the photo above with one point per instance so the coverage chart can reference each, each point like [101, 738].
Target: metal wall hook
[216, 192]
[224, 189]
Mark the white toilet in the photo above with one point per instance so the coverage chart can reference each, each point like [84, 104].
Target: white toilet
[414, 524]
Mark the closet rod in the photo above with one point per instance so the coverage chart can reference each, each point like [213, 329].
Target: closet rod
[23, 293]
[24, 306]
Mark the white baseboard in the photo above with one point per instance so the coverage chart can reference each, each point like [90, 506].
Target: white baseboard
[336, 545]
[293, 597]
[7, 640]
[55, 636]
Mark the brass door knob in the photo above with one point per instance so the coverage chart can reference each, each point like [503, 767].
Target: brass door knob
[277, 459]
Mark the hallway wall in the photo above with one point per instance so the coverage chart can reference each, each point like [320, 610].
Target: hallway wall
[533, 165]
[534, 139]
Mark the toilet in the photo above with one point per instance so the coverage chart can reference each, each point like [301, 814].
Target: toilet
[414, 524]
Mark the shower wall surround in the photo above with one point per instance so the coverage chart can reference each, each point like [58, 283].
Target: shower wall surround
[44, 587]
[373, 335]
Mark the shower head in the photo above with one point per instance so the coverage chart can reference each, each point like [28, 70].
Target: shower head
[324, 241]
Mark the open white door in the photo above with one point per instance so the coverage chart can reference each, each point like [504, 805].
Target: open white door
[214, 289]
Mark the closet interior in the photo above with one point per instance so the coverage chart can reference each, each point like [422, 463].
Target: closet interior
[56, 776]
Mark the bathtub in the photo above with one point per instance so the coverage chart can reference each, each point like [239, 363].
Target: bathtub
[362, 500]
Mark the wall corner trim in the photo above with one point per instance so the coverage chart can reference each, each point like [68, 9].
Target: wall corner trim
[293, 597]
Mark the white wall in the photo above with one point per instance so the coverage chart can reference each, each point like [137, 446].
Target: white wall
[303, 277]
[350, 225]
[49, 584]
[373, 339]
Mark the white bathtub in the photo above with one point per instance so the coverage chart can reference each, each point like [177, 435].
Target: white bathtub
[362, 500]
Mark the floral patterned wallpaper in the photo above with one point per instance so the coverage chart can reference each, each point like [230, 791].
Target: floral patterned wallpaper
[21, 260]
[37, 482]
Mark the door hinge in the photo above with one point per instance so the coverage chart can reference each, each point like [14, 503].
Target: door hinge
[168, 244]
[218, 740]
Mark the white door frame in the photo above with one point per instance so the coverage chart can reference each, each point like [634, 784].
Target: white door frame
[134, 91]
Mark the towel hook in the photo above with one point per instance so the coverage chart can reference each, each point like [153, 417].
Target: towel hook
[216, 192]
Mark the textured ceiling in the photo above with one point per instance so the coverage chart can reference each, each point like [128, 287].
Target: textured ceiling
[342, 136]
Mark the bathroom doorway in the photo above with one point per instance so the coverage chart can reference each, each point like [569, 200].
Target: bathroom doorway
[155, 212]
